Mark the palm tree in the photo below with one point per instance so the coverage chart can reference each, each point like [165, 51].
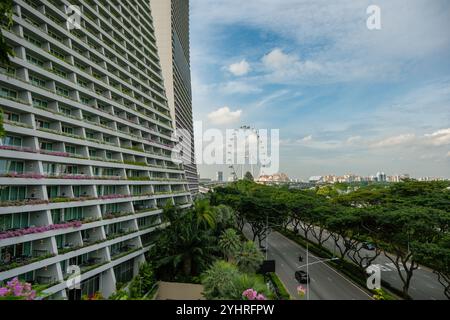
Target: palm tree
[229, 243]
[183, 246]
[217, 280]
[204, 213]
[223, 280]
[247, 281]
[249, 258]
[225, 218]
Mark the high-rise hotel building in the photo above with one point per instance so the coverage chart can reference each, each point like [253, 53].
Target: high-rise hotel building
[171, 20]
[85, 163]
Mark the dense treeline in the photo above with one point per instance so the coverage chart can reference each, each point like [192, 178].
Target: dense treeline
[408, 222]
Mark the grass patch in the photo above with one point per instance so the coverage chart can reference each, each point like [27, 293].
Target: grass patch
[280, 289]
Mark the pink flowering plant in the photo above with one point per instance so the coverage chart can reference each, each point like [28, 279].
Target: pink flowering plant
[32, 230]
[17, 290]
[251, 294]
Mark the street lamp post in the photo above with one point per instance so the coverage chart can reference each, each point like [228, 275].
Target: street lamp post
[307, 268]
[307, 271]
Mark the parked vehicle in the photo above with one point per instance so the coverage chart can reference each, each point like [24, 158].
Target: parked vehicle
[368, 246]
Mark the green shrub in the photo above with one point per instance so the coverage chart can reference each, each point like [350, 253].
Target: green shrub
[281, 292]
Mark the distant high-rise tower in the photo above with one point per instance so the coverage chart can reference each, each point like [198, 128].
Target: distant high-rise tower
[220, 176]
[171, 20]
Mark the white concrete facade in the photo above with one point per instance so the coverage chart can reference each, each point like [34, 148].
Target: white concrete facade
[171, 20]
[88, 141]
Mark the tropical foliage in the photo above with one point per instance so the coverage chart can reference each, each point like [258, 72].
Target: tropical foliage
[141, 286]
[6, 11]
[224, 280]
[408, 222]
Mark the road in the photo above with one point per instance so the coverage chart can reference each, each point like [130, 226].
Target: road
[424, 283]
[326, 283]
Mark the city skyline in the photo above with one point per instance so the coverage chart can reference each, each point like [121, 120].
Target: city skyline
[345, 98]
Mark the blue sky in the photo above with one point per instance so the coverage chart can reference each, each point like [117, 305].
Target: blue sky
[345, 98]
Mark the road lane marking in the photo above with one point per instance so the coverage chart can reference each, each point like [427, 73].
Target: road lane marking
[347, 280]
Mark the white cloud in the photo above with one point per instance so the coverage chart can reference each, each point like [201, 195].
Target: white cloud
[240, 68]
[394, 141]
[277, 59]
[335, 33]
[272, 97]
[224, 116]
[307, 138]
[353, 140]
[439, 137]
[241, 87]
[448, 154]
[282, 67]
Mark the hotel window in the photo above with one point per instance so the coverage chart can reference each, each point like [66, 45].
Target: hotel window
[137, 190]
[7, 166]
[54, 35]
[71, 170]
[83, 83]
[39, 103]
[17, 250]
[12, 193]
[77, 64]
[68, 130]
[20, 220]
[35, 61]
[32, 40]
[36, 81]
[60, 72]
[90, 286]
[42, 124]
[52, 192]
[84, 100]
[62, 91]
[49, 168]
[110, 208]
[71, 149]
[77, 192]
[11, 116]
[57, 216]
[45, 145]
[8, 93]
[60, 241]
[71, 214]
[27, 277]
[90, 135]
[66, 111]
[58, 54]
[12, 141]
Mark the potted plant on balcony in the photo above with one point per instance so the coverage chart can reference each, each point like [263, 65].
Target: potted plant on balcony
[17, 290]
